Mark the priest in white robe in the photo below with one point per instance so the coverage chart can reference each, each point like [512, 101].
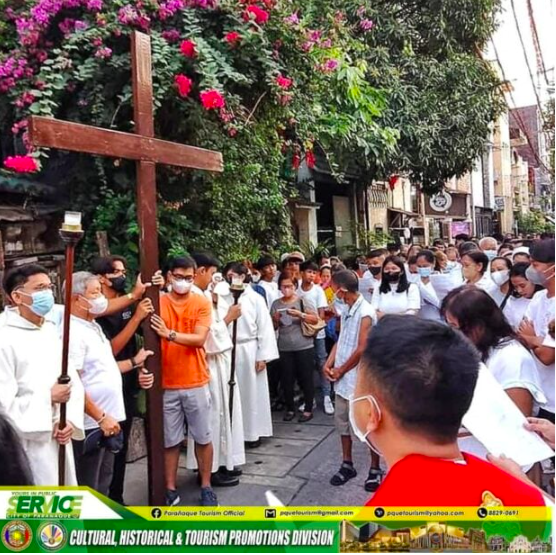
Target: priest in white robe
[227, 436]
[30, 363]
[256, 345]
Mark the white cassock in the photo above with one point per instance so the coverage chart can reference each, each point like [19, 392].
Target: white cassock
[30, 363]
[227, 440]
[256, 341]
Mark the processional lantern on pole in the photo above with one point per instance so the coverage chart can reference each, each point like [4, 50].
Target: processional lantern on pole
[71, 233]
[237, 287]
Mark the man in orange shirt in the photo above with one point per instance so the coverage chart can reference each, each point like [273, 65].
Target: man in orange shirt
[183, 325]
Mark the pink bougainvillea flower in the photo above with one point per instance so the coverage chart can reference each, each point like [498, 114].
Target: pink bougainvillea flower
[330, 65]
[232, 38]
[255, 13]
[94, 5]
[187, 48]
[366, 24]
[292, 19]
[212, 100]
[171, 35]
[184, 85]
[21, 164]
[284, 82]
[103, 52]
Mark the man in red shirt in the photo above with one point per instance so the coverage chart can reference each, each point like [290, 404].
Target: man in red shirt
[414, 385]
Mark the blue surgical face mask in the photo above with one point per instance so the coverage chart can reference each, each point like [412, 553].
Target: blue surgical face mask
[43, 301]
[424, 272]
[451, 265]
[491, 254]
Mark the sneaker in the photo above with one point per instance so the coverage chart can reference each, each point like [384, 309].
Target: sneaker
[302, 406]
[171, 498]
[328, 406]
[373, 480]
[208, 498]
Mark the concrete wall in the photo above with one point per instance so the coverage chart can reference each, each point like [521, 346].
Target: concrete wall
[503, 172]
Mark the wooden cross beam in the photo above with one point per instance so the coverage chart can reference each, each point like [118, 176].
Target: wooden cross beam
[147, 151]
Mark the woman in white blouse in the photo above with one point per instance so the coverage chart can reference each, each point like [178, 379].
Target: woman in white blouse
[522, 291]
[395, 294]
[475, 313]
[474, 267]
[430, 304]
[500, 274]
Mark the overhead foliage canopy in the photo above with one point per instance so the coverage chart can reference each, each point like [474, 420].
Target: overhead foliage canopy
[393, 87]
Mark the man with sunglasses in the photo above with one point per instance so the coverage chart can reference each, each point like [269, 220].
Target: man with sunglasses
[415, 383]
[183, 325]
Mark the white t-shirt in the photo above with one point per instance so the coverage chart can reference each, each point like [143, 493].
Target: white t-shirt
[541, 313]
[315, 298]
[486, 284]
[397, 303]
[271, 290]
[513, 366]
[515, 310]
[56, 315]
[91, 355]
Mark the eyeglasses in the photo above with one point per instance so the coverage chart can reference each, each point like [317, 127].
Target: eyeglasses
[189, 279]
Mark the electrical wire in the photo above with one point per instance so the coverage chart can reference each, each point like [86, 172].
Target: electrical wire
[539, 103]
[516, 113]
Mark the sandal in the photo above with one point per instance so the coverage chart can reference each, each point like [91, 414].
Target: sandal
[305, 417]
[374, 479]
[344, 475]
[289, 416]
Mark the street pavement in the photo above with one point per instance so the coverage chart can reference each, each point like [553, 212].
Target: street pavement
[296, 464]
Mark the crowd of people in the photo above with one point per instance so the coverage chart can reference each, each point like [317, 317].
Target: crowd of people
[369, 340]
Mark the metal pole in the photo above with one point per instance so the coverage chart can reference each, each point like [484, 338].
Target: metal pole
[70, 237]
[237, 294]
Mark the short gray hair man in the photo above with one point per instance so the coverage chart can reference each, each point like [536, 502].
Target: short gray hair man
[488, 244]
[80, 282]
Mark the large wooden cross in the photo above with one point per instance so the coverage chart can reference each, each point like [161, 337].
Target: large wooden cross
[147, 151]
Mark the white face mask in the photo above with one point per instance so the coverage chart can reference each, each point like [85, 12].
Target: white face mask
[98, 305]
[361, 435]
[181, 286]
[255, 278]
[500, 277]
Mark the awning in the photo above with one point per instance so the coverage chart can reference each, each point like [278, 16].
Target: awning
[15, 214]
[410, 214]
[10, 183]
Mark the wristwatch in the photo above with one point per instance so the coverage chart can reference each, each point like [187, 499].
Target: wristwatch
[172, 335]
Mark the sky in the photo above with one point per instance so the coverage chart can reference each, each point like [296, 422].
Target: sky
[510, 51]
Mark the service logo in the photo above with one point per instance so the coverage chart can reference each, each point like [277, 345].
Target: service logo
[44, 505]
[16, 535]
[52, 536]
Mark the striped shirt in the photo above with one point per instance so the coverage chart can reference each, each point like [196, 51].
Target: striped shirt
[347, 343]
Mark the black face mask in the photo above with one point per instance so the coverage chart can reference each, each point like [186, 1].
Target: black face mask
[375, 270]
[119, 284]
[391, 277]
